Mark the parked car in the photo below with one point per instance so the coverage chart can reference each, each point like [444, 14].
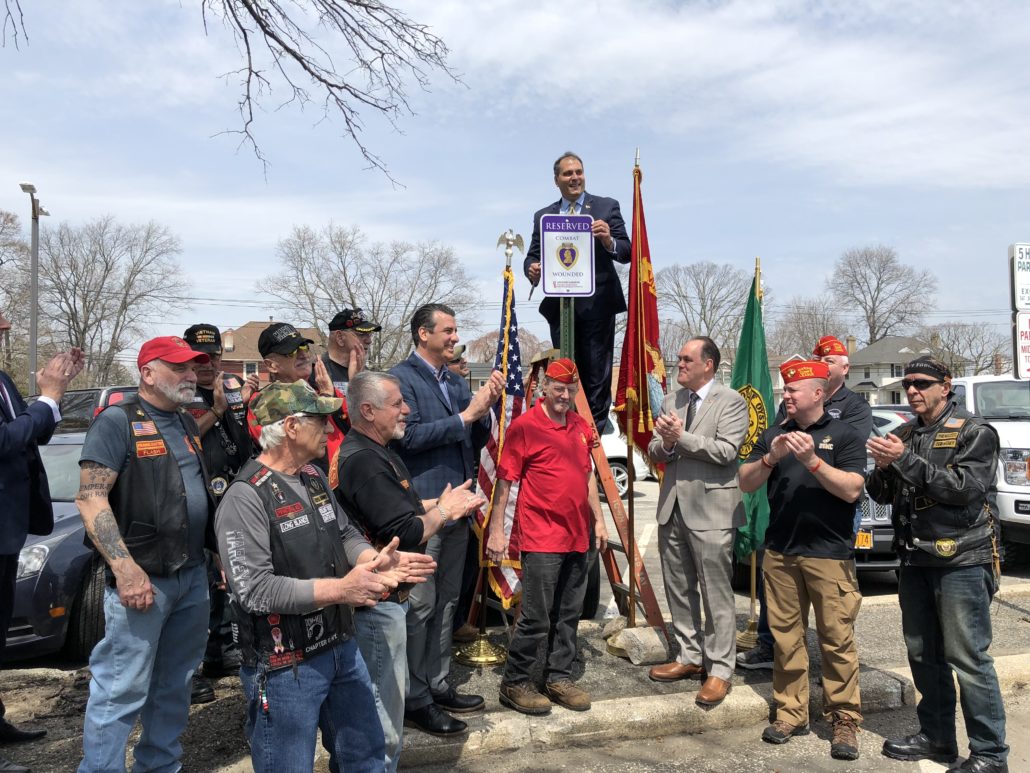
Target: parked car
[80, 406]
[58, 602]
[617, 451]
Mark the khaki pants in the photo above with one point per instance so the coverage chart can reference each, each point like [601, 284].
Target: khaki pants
[829, 586]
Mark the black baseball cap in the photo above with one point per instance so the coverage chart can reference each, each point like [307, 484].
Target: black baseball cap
[354, 319]
[203, 338]
[280, 338]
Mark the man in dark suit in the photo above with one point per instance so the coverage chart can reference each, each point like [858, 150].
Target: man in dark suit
[446, 424]
[595, 314]
[23, 486]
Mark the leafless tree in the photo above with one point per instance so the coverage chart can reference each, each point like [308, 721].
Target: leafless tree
[101, 284]
[886, 295]
[706, 298]
[13, 292]
[484, 348]
[797, 326]
[333, 268]
[968, 349]
[345, 56]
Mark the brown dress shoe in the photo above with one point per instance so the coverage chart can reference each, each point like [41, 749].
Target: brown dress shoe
[712, 692]
[673, 672]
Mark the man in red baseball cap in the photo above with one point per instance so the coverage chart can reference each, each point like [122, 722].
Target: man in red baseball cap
[146, 502]
[547, 451]
[814, 466]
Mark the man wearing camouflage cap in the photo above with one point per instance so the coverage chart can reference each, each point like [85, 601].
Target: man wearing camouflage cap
[296, 569]
[938, 473]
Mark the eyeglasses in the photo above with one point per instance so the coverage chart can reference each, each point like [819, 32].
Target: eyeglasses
[921, 384]
[302, 348]
[318, 418]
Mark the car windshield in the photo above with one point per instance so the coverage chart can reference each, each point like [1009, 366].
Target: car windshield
[62, 469]
[1002, 399]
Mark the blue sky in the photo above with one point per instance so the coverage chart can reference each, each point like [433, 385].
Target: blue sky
[788, 130]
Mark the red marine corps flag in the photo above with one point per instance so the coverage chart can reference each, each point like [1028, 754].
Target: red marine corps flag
[642, 370]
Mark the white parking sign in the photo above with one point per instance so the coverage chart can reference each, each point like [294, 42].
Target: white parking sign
[1019, 260]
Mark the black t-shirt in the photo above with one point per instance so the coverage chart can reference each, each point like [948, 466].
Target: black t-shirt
[804, 518]
[337, 374]
[376, 492]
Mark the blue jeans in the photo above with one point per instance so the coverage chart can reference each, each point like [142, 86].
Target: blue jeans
[553, 587]
[142, 668]
[330, 692]
[382, 635]
[946, 619]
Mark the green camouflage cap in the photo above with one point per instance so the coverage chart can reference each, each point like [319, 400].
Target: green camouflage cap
[278, 400]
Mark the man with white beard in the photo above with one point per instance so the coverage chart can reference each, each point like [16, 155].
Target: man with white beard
[145, 500]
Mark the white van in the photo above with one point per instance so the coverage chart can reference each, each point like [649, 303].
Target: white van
[1004, 403]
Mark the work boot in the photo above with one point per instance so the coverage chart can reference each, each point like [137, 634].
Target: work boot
[565, 693]
[201, 690]
[781, 732]
[919, 747]
[524, 697]
[844, 745]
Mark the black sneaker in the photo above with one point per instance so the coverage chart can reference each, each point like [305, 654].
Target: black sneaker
[755, 658]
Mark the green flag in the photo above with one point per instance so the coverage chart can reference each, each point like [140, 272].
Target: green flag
[751, 379]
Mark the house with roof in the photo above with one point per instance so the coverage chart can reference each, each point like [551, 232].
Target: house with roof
[240, 354]
[876, 370]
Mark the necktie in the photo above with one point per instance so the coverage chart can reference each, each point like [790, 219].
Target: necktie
[572, 208]
[6, 403]
[691, 410]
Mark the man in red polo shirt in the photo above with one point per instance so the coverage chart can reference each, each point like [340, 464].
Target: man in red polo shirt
[547, 450]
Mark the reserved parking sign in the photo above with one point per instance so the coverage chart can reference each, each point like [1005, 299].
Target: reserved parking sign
[567, 255]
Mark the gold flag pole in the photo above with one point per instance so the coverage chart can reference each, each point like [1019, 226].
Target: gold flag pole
[748, 638]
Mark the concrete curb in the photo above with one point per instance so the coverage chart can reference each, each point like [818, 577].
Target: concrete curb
[660, 715]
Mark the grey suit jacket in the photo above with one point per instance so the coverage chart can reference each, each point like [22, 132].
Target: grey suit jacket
[701, 469]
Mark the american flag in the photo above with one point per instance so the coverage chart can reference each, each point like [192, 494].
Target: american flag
[505, 580]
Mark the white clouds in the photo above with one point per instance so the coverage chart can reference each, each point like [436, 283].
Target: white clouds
[868, 92]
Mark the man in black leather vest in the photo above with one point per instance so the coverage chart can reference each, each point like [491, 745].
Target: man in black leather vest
[938, 473]
[220, 411]
[296, 569]
[145, 501]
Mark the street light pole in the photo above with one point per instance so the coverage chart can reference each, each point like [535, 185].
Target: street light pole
[37, 210]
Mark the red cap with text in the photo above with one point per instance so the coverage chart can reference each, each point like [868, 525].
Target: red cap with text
[829, 345]
[799, 370]
[170, 349]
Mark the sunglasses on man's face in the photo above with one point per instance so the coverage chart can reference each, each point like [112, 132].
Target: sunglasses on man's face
[919, 383]
[301, 348]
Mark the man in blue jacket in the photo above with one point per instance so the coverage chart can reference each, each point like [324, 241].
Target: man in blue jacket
[27, 508]
[595, 314]
[447, 422]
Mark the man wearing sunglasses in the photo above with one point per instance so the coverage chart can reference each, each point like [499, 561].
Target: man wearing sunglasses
[289, 357]
[350, 338]
[938, 473]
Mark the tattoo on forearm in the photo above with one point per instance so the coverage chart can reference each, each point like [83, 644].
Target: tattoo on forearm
[95, 480]
[107, 537]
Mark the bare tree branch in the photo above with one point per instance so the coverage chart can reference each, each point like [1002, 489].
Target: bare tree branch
[802, 322]
[967, 348]
[14, 20]
[327, 270]
[888, 296]
[382, 46]
[706, 299]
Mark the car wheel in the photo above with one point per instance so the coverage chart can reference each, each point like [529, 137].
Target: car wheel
[621, 475]
[592, 598]
[86, 626]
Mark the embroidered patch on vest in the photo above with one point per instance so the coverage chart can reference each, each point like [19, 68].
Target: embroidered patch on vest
[945, 547]
[286, 526]
[146, 448]
[285, 510]
[143, 428]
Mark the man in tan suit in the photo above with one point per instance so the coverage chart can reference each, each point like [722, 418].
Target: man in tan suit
[697, 437]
